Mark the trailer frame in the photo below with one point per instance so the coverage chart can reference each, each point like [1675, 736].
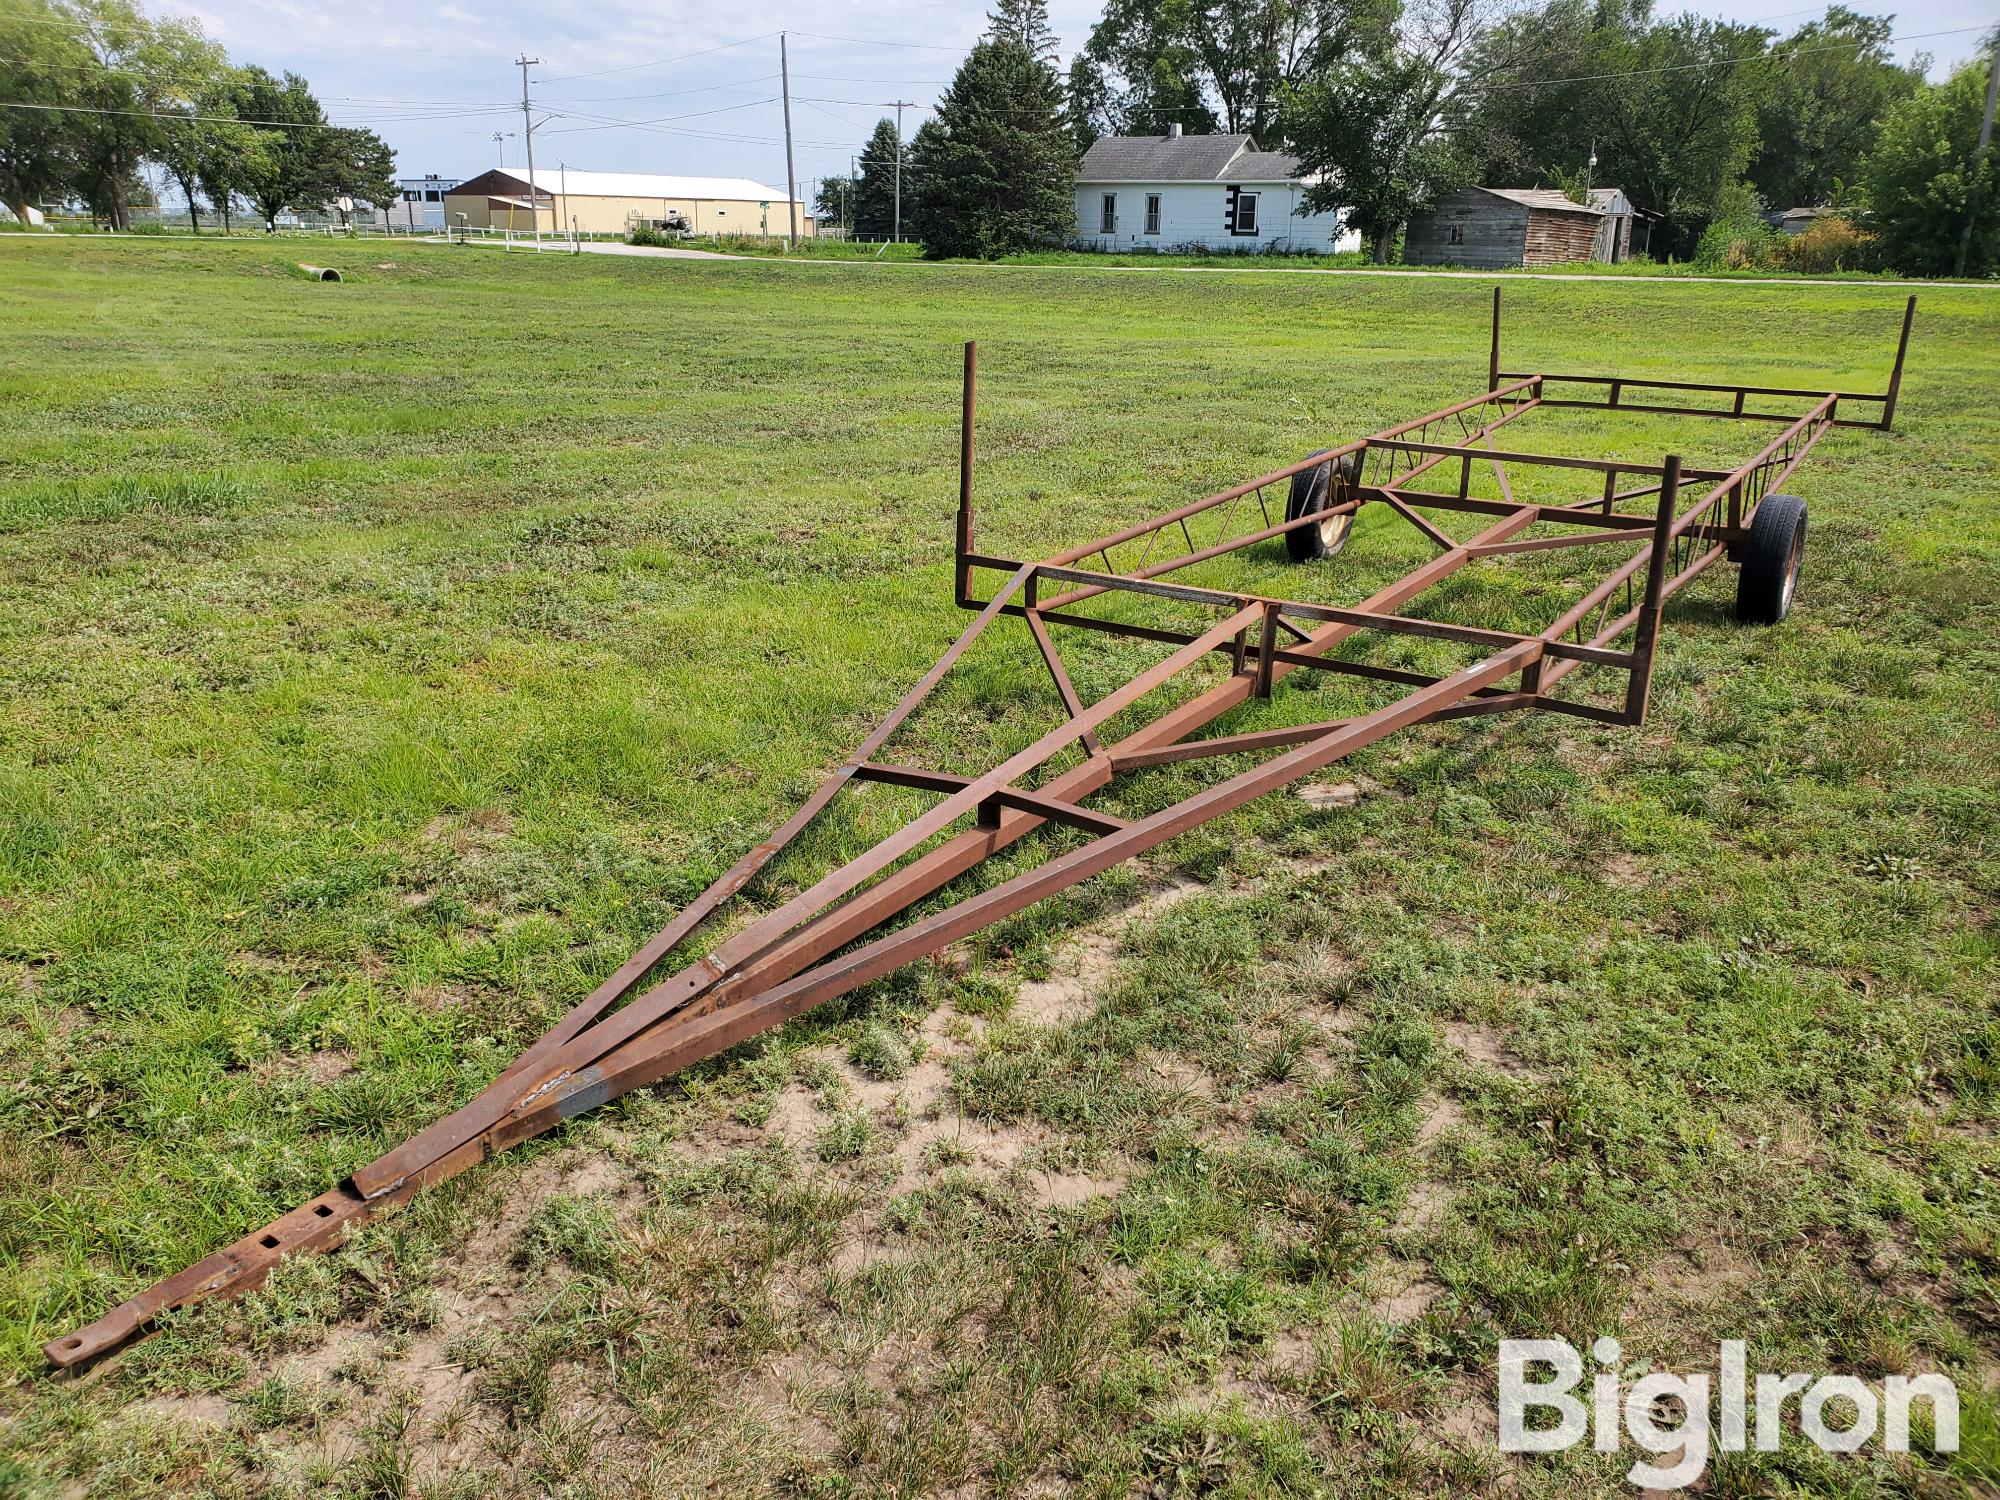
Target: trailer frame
[628, 1034]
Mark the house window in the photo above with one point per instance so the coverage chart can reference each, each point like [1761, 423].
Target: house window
[1152, 213]
[1246, 214]
[1457, 236]
[1108, 223]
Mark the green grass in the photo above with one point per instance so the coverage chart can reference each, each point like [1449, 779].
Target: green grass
[384, 661]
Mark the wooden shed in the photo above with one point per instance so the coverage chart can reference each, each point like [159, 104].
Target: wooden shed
[1491, 228]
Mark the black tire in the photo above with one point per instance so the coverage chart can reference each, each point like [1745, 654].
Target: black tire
[1771, 560]
[1312, 491]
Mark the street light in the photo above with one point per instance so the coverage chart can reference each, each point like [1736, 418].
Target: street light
[498, 137]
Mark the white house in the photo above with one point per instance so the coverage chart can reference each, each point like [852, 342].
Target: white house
[1196, 192]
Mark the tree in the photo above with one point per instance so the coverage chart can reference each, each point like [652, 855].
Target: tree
[1217, 64]
[1668, 108]
[289, 172]
[1026, 22]
[355, 163]
[40, 59]
[875, 184]
[1086, 103]
[1820, 104]
[231, 158]
[199, 135]
[996, 163]
[140, 70]
[1922, 186]
[835, 201]
[1382, 137]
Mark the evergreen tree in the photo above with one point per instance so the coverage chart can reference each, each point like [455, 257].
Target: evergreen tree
[996, 163]
[1026, 22]
[874, 211]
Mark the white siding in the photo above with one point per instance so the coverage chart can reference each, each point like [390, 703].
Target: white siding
[1195, 216]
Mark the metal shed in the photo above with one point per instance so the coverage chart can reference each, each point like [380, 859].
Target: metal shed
[1492, 228]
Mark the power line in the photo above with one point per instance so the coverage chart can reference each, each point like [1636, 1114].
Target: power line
[611, 124]
[174, 116]
[869, 41]
[665, 61]
[668, 94]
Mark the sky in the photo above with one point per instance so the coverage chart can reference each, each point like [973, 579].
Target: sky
[692, 86]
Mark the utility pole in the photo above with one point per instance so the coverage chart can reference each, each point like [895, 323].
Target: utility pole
[565, 220]
[528, 134]
[791, 177]
[1979, 158]
[901, 105]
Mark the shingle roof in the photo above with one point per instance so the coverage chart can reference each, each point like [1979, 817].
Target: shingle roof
[1547, 198]
[1184, 158]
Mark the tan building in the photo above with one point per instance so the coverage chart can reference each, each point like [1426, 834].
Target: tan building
[618, 203]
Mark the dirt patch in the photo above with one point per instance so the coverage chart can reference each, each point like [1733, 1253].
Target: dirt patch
[1083, 968]
[1625, 871]
[464, 833]
[1321, 795]
[795, 1119]
[1483, 1047]
[320, 1067]
[1421, 1207]
[1069, 1189]
[1409, 1302]
[1084, 964]
[1441, 1114]
[1466, 1413]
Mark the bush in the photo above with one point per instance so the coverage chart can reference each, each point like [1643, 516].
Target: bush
[645, 234]
[1830, 243]
[1735, 245]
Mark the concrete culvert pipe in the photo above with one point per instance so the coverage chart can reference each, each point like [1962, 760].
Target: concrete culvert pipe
[320, 273]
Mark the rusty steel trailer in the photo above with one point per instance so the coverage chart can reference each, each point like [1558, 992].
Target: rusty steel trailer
[628, 1033]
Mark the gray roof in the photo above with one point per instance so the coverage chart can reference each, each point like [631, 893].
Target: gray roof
[1185, 158]
[1547, 198]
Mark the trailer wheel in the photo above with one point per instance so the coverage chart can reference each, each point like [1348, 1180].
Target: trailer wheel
[1313, 490]
[1771, 560]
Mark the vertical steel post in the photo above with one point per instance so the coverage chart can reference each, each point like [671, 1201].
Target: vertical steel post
[963, 569]
[1896, 374]
[1267, 646]
[1493, 358]
[1646, 634]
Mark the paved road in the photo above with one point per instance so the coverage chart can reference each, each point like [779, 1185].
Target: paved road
[661, 252]
[607, 247]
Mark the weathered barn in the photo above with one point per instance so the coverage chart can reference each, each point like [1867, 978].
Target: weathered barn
[618, 202]
[1614, 230]
[1491, 228]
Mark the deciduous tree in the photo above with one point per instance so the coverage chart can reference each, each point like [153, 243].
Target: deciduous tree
[1820, 103]
[1668, 108]
[41, 59]
[1381, 137]
[1922, 185]
[1218, 64]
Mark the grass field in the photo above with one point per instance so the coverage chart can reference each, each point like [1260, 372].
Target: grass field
[382, 662]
